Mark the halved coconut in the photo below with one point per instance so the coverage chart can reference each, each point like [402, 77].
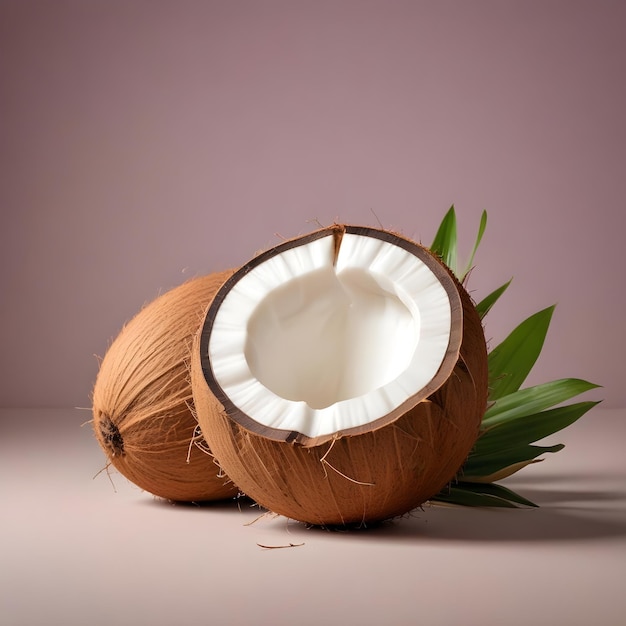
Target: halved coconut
[341, 377]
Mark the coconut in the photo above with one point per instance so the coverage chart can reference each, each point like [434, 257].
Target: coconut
[341, 377]
[143, 414]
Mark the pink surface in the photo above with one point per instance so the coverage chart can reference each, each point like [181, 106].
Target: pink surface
[146, 142]
[75, 551]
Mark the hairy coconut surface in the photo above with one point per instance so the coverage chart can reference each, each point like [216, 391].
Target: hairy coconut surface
[357, 470]
[142, 401]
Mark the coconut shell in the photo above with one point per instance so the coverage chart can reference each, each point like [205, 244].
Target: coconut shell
[143, 415]
[365, 477]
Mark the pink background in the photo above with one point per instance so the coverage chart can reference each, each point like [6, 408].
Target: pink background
[144, 142]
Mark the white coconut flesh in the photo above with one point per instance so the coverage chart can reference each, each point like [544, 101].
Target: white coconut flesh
[331, 335]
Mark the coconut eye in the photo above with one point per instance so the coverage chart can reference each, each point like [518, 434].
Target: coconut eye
[328, 376]
[110, 435]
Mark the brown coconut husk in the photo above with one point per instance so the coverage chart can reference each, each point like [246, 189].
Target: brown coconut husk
[143, 415]
[364, 477]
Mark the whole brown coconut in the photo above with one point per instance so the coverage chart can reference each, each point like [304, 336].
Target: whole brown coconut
[142, 400]
[341, 377]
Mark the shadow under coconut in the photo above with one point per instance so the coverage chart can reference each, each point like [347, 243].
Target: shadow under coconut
[564, 514]
[511, 525]
[584, 518]
[591, 492]
[576, 499]
[239, 503]
[573, 506]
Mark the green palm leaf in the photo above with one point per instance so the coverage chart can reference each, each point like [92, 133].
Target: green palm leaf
[481, 231]
[516, 417]
[482, 494]
[529, 428]
[526, 402]
[445, 242]
[484, 306]
[511, 361]
[503, 463]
